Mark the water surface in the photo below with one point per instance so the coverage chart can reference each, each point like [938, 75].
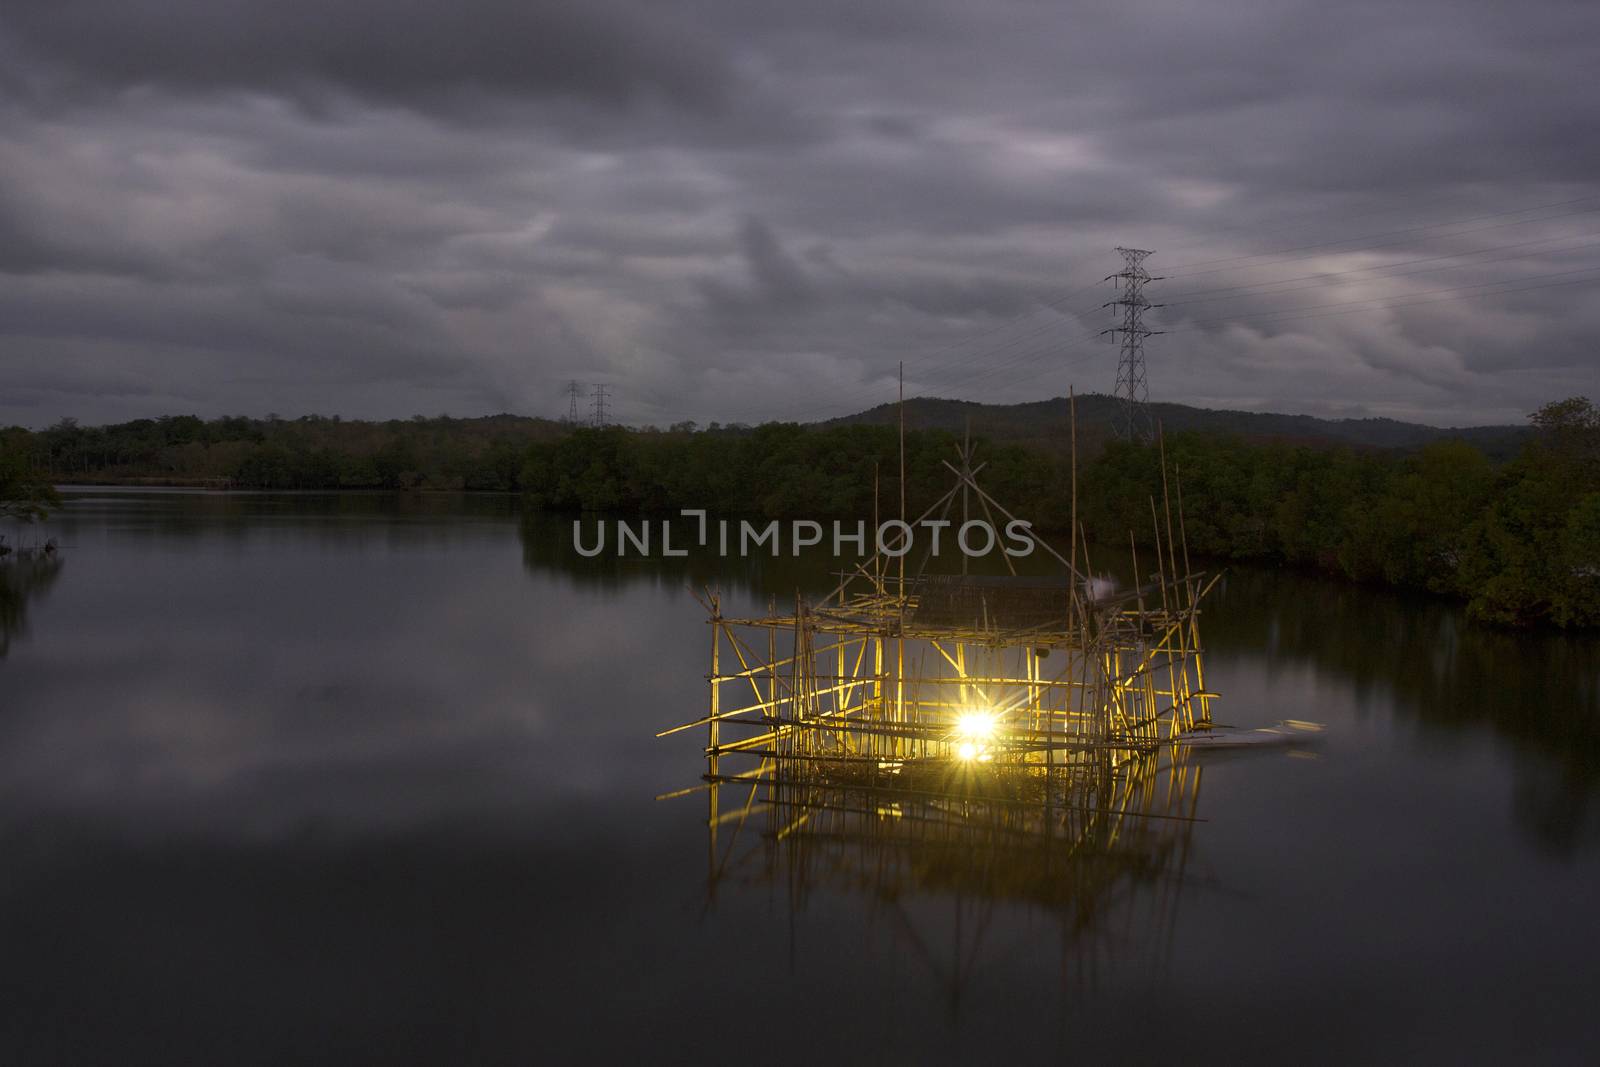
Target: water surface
[366, 778]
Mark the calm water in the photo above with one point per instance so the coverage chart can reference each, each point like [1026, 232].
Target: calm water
[365, 779]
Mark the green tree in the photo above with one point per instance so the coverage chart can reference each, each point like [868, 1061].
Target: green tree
[25, 492]
[1414, 530]
[1531, 556]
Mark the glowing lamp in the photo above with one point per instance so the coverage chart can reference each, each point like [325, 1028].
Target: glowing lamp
[974, 730]
[975, 725]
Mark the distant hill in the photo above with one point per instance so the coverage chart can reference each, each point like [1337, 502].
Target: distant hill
[1043, 423]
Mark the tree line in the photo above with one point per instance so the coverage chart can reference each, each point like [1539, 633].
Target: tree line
[311, 452]
[1519, 541]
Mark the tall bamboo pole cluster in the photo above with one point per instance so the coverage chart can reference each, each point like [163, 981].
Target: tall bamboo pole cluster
[893, 674]
[1010, 717]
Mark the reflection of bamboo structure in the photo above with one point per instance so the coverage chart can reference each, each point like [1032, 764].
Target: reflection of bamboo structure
[1104, 851]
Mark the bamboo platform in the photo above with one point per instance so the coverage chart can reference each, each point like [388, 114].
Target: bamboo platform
[1020, 718]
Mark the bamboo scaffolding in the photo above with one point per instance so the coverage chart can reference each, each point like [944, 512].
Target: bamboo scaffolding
[905, 729]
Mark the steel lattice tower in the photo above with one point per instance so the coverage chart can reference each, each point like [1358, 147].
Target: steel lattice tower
[574, 389]
[599, 412]
[1133, 422]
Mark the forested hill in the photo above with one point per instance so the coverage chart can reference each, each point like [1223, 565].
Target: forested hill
[486, 453]
[1519, 539]
[1043, 423]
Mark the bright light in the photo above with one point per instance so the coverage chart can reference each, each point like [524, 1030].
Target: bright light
[975, 725]
[974, 730]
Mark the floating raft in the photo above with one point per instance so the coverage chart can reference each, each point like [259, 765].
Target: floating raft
[1287, 732]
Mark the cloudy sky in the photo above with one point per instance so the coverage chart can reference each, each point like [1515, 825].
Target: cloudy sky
[742, 210]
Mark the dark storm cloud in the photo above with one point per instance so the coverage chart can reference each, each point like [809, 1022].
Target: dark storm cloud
[416, 51]
[742, 210]
[776, 283]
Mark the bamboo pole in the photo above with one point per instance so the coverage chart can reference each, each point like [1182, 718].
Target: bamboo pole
[900, 665]
[712, 737]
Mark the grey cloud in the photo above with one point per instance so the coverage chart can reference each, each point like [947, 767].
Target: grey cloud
[775, 283]
[737, 210]
[777, 275]
[410, 50]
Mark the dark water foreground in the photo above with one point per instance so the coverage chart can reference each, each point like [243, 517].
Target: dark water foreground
[355, 779]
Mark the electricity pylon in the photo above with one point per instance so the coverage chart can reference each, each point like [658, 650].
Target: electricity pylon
[1133, 420]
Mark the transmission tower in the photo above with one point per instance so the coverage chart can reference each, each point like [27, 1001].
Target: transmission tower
[1133, 421]
[574, 390]
[599, 409]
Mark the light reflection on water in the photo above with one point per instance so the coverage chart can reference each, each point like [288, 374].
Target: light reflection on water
[357, 777]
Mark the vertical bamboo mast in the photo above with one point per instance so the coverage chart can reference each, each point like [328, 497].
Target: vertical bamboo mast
[712, 727]
[1167, 609]
[1161, 566]
[877, 554]
[1133, 550]
[772, 667]
[874, 741]
[1180, 705]
[961, 669]
[716, 677]
[1194, 614]
[1183, 534]
[900, 667]
[1166, 505]
[1072, 583]
[966, 473]
[1072, 575]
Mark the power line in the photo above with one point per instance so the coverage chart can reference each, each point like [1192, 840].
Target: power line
[1015, 364]
[962, 351]
[966, 355]
[1012, 364]
[1301, 219]
[941, 378]
[1260, 288]
[924, 372]
[975, 366]
[1186, 272]
[936, 375]
[1455, 293]
[1298, 313]
[1056, 365]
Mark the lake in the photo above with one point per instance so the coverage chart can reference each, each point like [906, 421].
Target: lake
[371, 778]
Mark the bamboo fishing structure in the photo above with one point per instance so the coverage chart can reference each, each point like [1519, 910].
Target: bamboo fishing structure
[1003, 733]
[911, 674]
